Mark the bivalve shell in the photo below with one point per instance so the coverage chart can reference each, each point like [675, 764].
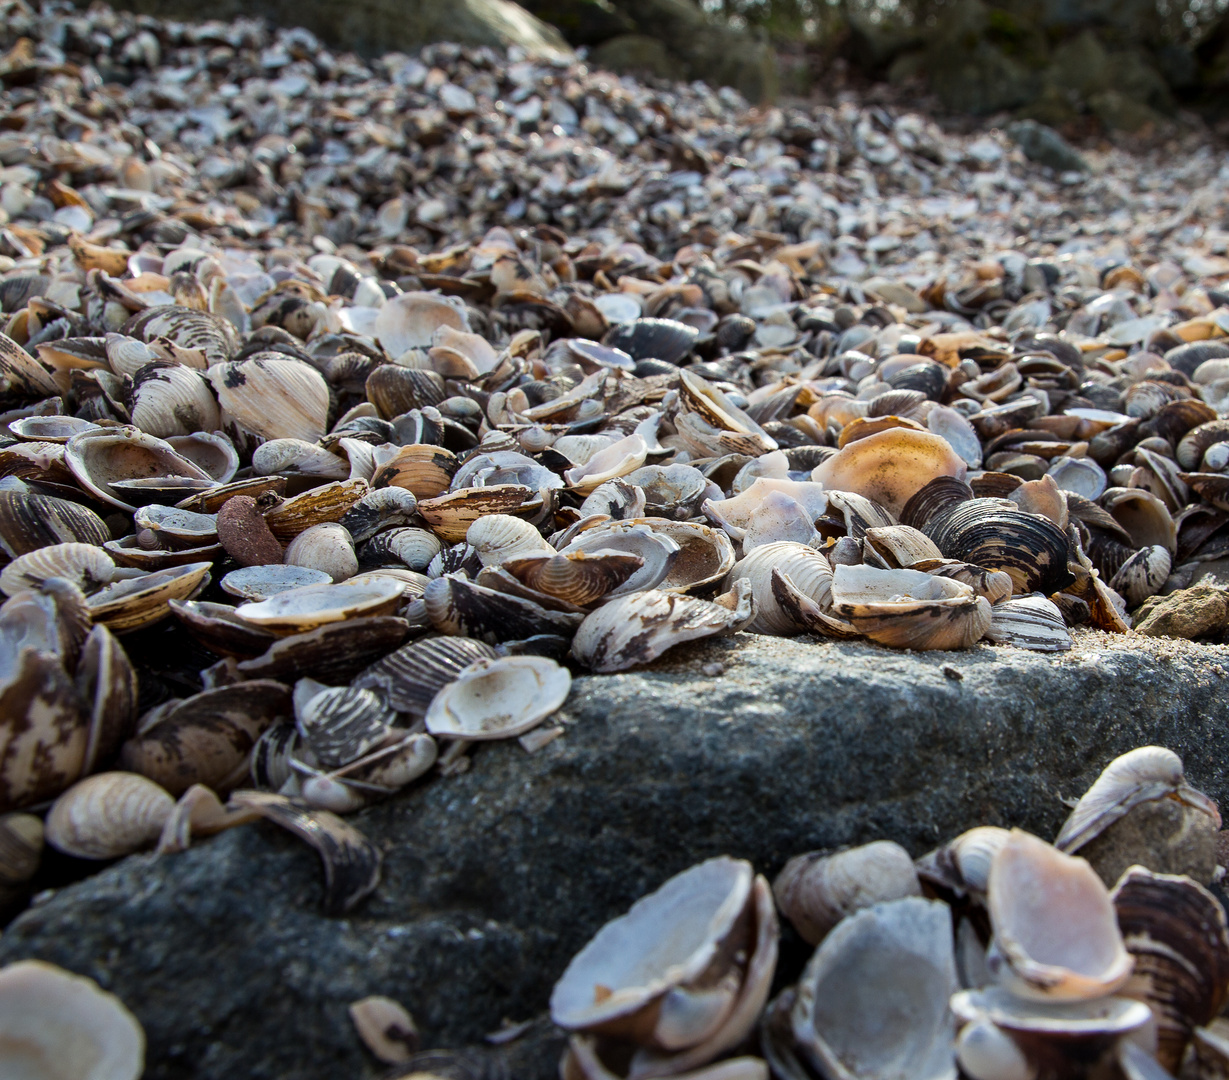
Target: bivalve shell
[99, 458]
[86, 566]
[499, 698]
[310, 606]
[108, 815]
[327, 548]
[410, 678]
[273, 396]
[136, 602]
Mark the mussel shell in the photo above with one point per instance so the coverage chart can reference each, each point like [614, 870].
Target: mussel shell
[656, 339]
[941, 494]
[998, 535]
[410, 677]
[29, 522]
[458, 606]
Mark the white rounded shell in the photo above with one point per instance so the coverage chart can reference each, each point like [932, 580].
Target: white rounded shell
[55, 1024]
[499, 698]
[108, 815]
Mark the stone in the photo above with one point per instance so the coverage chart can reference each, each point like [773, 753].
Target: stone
[1045, 146]
[1188, 613]
[1119, 112]
[245, 535]
[1164, 835]
[757, 747]
[374, 27]
[979, 80]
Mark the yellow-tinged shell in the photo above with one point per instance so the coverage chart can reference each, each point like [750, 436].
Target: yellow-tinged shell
[108, 815]
[424, 470]
[579, 577]
[450, 516]
[136, 602]
[890, 466]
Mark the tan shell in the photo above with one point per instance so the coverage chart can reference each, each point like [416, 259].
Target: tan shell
[1029, 622]
[890, 467]
[900, 546]
[21, 847]
[451, 515]
[214, 453]
[327, 548]
[816, 891]
[273, 396]
[637, 536]
[579, 577]
[98, 458]
[426, 471]
[65, 1025]
[385, 1027]
[704, 558]
[410, 321]
[962, 865]
[499, 698]
[86, 566]
[807, 569]
[620, 458]
[129, 605]
[170, 399]
[108, 815]
[328, 502]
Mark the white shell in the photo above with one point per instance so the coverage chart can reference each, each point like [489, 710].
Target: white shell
[810, 572]
[327, 548]
[499, 699]
[170, 399]
[261, 582]
[619, 459]
[1056, 936]
[658, 551]
[497, 537]
[297, 610]
[409, 321]
[872, 1003]
[963, 864]
[56, 1024]
[108, 815]
[86, 566]
[274, 397]
[295, 457]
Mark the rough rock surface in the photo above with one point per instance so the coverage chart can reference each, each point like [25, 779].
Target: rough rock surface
[495, 878]
[373, 27]
[1188, 613]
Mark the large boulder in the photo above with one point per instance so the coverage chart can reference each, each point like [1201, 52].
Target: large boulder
[753, 746]
[374, 27]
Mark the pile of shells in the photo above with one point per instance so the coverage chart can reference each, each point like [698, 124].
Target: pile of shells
[995, 957]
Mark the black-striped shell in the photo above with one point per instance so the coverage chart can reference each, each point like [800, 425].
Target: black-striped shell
[410, 677]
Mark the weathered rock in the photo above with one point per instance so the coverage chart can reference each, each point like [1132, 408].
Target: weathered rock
[1188, 613]
[1163, 835]
[373, 27]
[635, 54]
[493, 879]
[1045, 146]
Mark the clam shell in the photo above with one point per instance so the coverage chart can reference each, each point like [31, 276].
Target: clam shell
[65, 1025]
[704, 557]
[451, 515]
[189, 331]
[108, 815]
[962, 865]
[807, 569]
[424, 471]
[498, 698]
[269, 761]
[341, 724]
[177, 528]
[310, 606]
[578, 577]
[29, 522]
[262, 582]
[294, 457]
[456, 605]
[85, 565]
[410, 320]
[52, 429]
[379, 511]
[107, 685]
[273, 396]
[336, 651]
[1029, 622]
[221, 631]
[21, 847]
[411, 547]
[638, 628]
[386, 1029]
[635, 537]
[327, 548]
[891, 466]
[328, 502]
[395, 390]
[206, 738]
[38, 759]
[99, 458]
[816, 891]
[170, 399]
[410, 678]
[1143, 575]
[215, 454]
[21, 375]
[497, 538]
[129, 605]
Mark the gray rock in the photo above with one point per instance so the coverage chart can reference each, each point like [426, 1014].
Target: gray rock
[1046, 146]
[374, 27]
[495, 878]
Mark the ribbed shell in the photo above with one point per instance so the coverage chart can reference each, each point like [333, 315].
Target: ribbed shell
[809, 571]
[86, 566]
[343, 723]
[137, 602]
[395, 390]
[328, 502]
[29, 522]
[426, 471]
[97, 458]
[579, 577]
[108, 815]
[496, 538]
[170, 399]
[412, 547]
[1029, 622]
[410, 677]
[273, 396]
[456, 605]
[378, 511]
[327, 548]
[188, 329]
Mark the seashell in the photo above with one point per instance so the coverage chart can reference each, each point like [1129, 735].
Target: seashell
[704, 558]
[261, 582]
[1042, 497]
[411, 547]
[1003, 1036]
[672, 491]
[107, 686]
[498, 698]
[100, 458]
[1175, 929]
[351, 862]
[736, 515]
[1029, 622]
[269, 761]
[199, 812]
[294, 457]
[327, 548]
[962, 866]
[344, 723]
[1211, 1050]
[496, 538]
[411, 320]
[21, 848]
[86, 566]
[659, 339]
[809, 572]
[273, 396]
[52, 429]
[328, 502]
[816, 891]
[909, 609]
[214, 454]
[187, 330]
[335, 651]
[846, 1018]
[1083, 476]
[170, 399]
[900, 546]
[395, 390]
[1194, 444]
[108, 815]
[410, 678]
[635, 537]
[377, 511]
[21, 375]
[865, 426]
[177, 528]
[456, 354]
[890, 467]
[55, 1023]
[29, 522]
[137, 602]
[218, 628]
[938, 496]
[127, 355]
[996, 534]
[1055, 935]
[617, 460]
[1136, 777]
[451, 515]
[1143, 516]
[456, 605]
[296, 611]
[638, 628]
[211, 500]
[579, 577]
[425, 471]
[1143, 575]
[386, 1029]
[206, 738]
[506, 467]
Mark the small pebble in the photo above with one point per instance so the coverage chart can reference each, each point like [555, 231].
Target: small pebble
[245, 535]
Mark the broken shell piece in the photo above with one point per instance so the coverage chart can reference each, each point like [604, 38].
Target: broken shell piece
[638, 628]
[619, 459]
[1138, 776]
[872, 1002]
[310, 606]
[351, 862]
[56, 1024]
[199, 812]
[499, 698]
[909, 609]
[108, 815]
[386, 1029]
[808, 571]
[1055, 935]
[816, 891]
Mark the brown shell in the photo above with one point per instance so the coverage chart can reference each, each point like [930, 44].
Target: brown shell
[139, 602]
[43, 734]
[328, 502]
[220, 630]
[206, 739]
[394, 390]
[425, 471]
[577, 577]
[451, 515]
[332, 653]
[29, 522]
